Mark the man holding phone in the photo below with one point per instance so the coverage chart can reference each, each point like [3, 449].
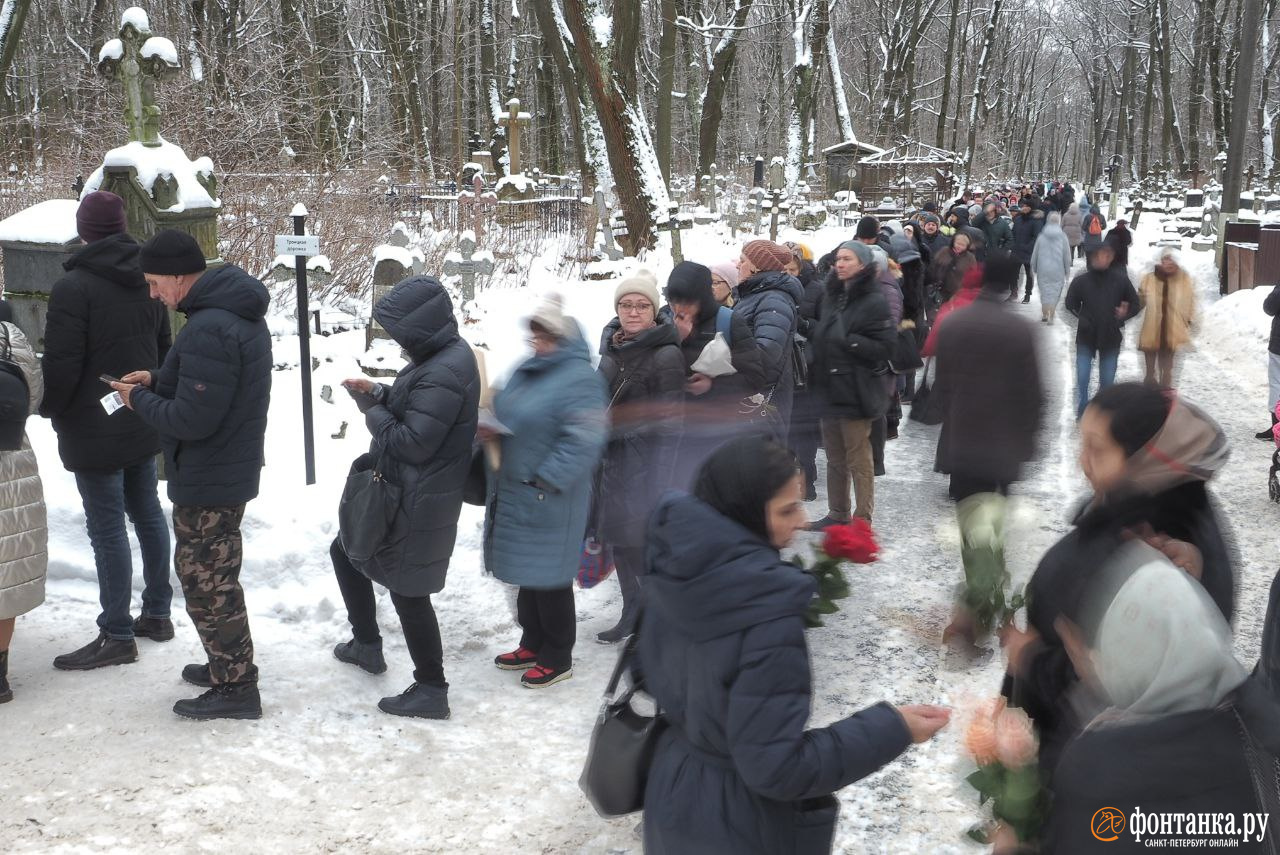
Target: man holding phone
[103, 322]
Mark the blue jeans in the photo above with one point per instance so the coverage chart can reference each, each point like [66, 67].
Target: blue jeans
[108, 497]
[1107, 360]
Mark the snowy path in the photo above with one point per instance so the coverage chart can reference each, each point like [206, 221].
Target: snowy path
[96, 762]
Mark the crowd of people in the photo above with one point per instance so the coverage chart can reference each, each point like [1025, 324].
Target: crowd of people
[688, 449]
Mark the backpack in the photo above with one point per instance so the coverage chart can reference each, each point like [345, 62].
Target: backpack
[724, 324]
[1095, 225]
[15, 396]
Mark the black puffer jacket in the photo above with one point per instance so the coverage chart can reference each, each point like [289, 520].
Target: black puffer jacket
[209, 400]
[646, 394]
[855, 337]
[770, 302]
[101, 320]
[1026, 228]
[748, 362]
[423, 427]
[722, 645]
[1093, 297]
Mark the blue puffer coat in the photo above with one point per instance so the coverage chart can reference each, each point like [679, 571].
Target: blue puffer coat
[722, 648]
[770, 302]
[554, 406]
[209, 400]
[422, 428]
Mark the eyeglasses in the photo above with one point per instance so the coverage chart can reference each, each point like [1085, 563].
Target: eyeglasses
[635, 307]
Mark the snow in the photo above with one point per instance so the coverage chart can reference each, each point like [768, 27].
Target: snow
[111, 49]
[521, 183]
[299, 210]
[52, 221]
[407, 258]
[165, 159]
[136, 18]
[320, 262]
[103, 765]
[161, 47]
[602, 26]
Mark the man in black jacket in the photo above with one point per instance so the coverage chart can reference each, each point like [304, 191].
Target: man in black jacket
[209, 403]
[1102, 298]
[102, 321]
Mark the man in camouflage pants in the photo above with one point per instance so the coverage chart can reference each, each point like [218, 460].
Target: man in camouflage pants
[209, 404]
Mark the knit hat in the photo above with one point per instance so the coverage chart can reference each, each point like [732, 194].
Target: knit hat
[903, 249]
[931, 206]
[860, 250]
[172, 253]
[868, 227]
[690, 282]
[101, 214]
[728, 271]
[643, 283]
[799, 251]
[930, 218]
[550, 315]
[766, 255]
[880, 256]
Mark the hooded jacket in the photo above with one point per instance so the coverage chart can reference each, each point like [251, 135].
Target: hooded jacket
[1051, 263]
[1094, 297]
[770, 302]
[422, 430]
[536, 514]
[1071, 224]
[209, 399]
[101, 320]
[855, 338]
[722, 647]
[1169, 311]
[1164, 487]
[645, 383]
[1026, 228]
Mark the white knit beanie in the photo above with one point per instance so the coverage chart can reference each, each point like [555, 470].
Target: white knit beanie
[550, 315]
[643, 283]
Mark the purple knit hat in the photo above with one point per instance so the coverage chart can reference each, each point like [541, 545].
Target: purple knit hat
[100, 215]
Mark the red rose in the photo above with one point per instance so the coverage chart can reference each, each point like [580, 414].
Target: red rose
[852, 541]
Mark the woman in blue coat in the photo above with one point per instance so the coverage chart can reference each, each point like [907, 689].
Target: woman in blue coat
[722, 647]
[554, 408]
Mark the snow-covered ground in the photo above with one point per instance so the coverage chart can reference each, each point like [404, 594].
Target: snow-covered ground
[96, 762]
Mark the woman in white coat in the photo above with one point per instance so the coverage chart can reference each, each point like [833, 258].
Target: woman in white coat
[1051, 264]
[24, 535]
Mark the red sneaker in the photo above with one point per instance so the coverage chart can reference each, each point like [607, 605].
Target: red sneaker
[516, 660]
[539, 676]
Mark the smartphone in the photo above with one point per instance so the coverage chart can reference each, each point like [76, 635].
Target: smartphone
[108, 379]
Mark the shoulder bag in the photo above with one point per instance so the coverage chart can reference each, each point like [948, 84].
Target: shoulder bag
[368, 507]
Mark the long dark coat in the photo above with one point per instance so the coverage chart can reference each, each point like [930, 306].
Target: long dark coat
[855, 339]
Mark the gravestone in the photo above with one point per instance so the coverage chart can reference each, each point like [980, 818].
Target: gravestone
[515, 186]
[608, 246]
[391, 264]
[466, 263]
[674, 224]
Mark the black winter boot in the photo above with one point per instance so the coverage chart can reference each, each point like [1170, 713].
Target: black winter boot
[1267, 434]
[418, 701]
[6, 693]
[99, 653]
[154, 628]
[630, 586]
[230, 700]
[198, 675]
[367, 656]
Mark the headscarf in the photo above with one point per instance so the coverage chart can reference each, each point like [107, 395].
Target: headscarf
[740, 478]
[1161, 647]
[1190, 446]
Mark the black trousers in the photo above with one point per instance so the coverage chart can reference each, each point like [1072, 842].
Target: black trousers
[417, 619]
[550, 624]
[964, 486]
[806, 434]
[1031, 279]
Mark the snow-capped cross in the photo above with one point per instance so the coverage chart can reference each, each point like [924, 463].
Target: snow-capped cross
[513, 120]
[137, 60]
[467, 263]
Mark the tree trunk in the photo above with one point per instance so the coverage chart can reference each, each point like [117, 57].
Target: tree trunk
[980, 86]
[1200, 41]
[666, 82]
[723, 55]
[578, 113]
[940, 134]
[1172, 132]
[811, 20]
[844, 119]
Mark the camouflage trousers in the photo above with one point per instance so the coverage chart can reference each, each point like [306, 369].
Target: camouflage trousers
[208, 558]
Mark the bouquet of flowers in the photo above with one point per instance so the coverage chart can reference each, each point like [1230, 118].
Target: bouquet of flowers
[1002, 741]
[852, 541]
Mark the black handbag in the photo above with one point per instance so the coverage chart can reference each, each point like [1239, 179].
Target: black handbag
[922, 411]
[475, 490]
[15, 399]
[623, 743]
[906, 354]
[799, 362]
[367, 509]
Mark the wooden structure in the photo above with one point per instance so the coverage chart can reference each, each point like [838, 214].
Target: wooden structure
[1251, 257]
[840, 159]
[911, 173]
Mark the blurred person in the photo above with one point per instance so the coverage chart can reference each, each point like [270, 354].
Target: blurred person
[422, 427]
[1169, 315]
[990, 396]
[208, 401]
[1103, 298]
[1175, 724]
[970, 288]
[1119, 239]
[933, 236]
[886, 426]
[1028, 222]
[805, 435]
[949, 267]
[713, 405]
[1271, 305]
[769, 298]
[103, 321]
[643, 369]
[722, 648]
[996, 229]
[1148, 456]
[852, 344]
[1051, 264]
[536, 514]
[1073, 226]
[724, 283]
[24, 557]
[1092, 226]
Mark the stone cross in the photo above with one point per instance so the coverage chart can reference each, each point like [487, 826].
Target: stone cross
[674, 224]
[478, 203]
[608, 246]
[513, 120]
[777, 179]
[465, 264]
[1193, 171]
[137, 60]
[757, 198]
[1248, 176]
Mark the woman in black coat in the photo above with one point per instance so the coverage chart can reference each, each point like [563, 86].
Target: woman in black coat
[423, 426]
[722, 647]
[640, 360]
[1148, 456]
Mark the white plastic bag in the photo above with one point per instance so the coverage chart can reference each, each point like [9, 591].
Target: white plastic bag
[715, 359]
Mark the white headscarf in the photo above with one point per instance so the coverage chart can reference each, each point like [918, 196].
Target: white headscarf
[1162, 646]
